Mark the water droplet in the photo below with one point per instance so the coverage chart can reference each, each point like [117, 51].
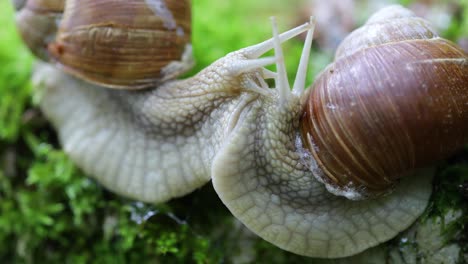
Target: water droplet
[331, 106]
[141, 212]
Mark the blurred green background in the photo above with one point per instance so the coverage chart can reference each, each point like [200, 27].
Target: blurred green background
[50, 212]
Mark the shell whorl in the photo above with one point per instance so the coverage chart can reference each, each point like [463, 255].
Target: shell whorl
[118, 44]
[122, 44]
[37, 22]
[391, 102]
[391, 24]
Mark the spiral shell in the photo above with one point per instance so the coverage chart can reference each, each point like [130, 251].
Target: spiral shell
[123, 44]
[37, 22]
[395, 99]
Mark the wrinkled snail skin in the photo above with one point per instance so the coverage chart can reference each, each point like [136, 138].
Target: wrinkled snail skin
[225, 124]
[133, 142]
[263, 175]
[270, 171]
[119, 148]
[148, 145]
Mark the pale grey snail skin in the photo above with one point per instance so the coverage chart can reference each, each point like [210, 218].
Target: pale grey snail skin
[224, 124]
[135, 140]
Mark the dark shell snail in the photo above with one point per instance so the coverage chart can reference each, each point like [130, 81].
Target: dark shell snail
[37, 22]
[394, 100]
[134, 44]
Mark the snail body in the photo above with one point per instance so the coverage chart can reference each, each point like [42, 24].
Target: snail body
[259, 146]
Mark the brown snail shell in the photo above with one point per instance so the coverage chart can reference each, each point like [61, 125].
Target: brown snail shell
[37, 22]
[18, 4]
[122, 44]
[391, 102]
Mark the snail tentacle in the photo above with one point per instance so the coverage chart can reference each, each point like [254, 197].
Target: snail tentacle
[247, 61]
[259, 49]
[247, 65]
[299, 82]
[267, 74]
[282, 83]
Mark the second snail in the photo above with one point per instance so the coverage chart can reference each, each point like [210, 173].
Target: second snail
[323, 172]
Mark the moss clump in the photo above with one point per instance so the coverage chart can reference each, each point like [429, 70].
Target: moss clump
[14, 75]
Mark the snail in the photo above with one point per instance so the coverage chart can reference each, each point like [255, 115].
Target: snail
[37, 21]
[107, 48]
[324, 172]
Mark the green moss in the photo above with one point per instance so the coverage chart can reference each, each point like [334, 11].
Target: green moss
[450, 195]
[58, 213]
[14, 75]
[217, 31]
[458, 26]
